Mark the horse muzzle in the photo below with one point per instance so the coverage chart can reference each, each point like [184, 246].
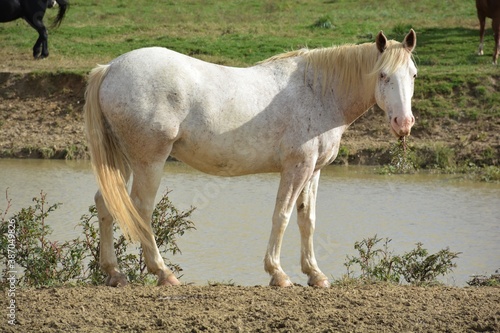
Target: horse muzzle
[401, 126]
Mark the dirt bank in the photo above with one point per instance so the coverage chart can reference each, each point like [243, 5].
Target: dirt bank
[41, 117]
[373, 308]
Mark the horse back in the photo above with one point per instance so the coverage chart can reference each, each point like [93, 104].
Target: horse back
[488, 8]
[10, 10]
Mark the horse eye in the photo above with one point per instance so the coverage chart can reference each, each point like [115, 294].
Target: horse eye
[414, 76]
[383, 75]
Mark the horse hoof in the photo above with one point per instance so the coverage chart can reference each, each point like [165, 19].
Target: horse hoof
[321, 284]
[281, 281]
[319, 280]
[170, 280]
[118, 280]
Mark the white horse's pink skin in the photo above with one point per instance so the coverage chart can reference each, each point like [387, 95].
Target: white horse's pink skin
[284, 115]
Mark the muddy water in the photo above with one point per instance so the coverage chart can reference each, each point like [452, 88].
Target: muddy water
[233, 216]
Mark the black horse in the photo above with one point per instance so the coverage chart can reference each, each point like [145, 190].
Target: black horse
[33, 11]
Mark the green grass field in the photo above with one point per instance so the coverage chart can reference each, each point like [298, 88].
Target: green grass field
[240, 33]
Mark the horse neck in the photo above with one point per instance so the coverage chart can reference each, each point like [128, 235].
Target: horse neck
[346, 71]
[356, 103]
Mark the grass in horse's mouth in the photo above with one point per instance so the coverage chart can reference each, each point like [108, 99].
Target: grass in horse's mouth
[403, 144]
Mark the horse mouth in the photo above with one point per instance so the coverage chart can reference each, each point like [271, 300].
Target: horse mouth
[400, 133]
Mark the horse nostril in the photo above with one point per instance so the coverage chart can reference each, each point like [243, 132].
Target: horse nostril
[396, 120]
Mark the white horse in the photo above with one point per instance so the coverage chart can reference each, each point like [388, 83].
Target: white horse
[286, 114]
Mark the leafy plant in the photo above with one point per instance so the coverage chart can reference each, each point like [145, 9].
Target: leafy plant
[25, 242]
[416, 267]
[375, 263]
[42, 261]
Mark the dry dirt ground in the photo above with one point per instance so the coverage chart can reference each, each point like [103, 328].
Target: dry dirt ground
[361, 308]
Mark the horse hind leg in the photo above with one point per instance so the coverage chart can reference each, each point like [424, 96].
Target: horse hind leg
[107, 255]
[145, 185]
[496, 30]
[306, 216]
[482, 23]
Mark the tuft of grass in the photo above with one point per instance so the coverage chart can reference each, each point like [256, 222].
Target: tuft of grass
[229, 283]
[324, 22]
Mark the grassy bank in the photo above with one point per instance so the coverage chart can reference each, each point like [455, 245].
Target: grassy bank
[456, 94]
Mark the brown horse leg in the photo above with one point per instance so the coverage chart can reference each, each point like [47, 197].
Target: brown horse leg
[496, 30]
[482, 23]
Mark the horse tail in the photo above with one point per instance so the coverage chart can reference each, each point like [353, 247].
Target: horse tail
[63, 7]
[110, 163]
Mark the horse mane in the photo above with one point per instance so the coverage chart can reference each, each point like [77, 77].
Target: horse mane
[349, 63]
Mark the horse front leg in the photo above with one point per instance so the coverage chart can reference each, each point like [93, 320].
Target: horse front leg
[144, 188]
[306, 217]
[291, 183]
[107, 256]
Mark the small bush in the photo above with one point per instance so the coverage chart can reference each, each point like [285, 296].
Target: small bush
[375, 263]
[42, 261]
[416, 267]
[26, 245]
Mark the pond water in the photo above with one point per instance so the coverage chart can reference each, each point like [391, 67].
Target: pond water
[233, 216]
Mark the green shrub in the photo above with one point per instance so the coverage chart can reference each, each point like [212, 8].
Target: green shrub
[41, 260]
[26, 246]
[380, 264]
[418, 267]
[376, 264]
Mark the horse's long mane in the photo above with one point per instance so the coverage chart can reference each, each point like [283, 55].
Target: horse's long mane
[350, 64]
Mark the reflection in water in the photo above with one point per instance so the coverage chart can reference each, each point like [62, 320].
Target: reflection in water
[233, 216]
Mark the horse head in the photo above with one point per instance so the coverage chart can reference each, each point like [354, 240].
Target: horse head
[396, 73]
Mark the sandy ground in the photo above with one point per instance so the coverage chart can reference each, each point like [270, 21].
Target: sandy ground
[362, 308]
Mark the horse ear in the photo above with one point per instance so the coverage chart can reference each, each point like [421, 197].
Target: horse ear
[410, 40]
[381, 41]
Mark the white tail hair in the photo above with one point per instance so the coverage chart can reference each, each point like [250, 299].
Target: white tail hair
[110, 164]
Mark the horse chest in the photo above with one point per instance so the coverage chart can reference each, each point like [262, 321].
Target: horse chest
[328, 149]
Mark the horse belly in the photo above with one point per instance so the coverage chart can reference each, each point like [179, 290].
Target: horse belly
[227, 157]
